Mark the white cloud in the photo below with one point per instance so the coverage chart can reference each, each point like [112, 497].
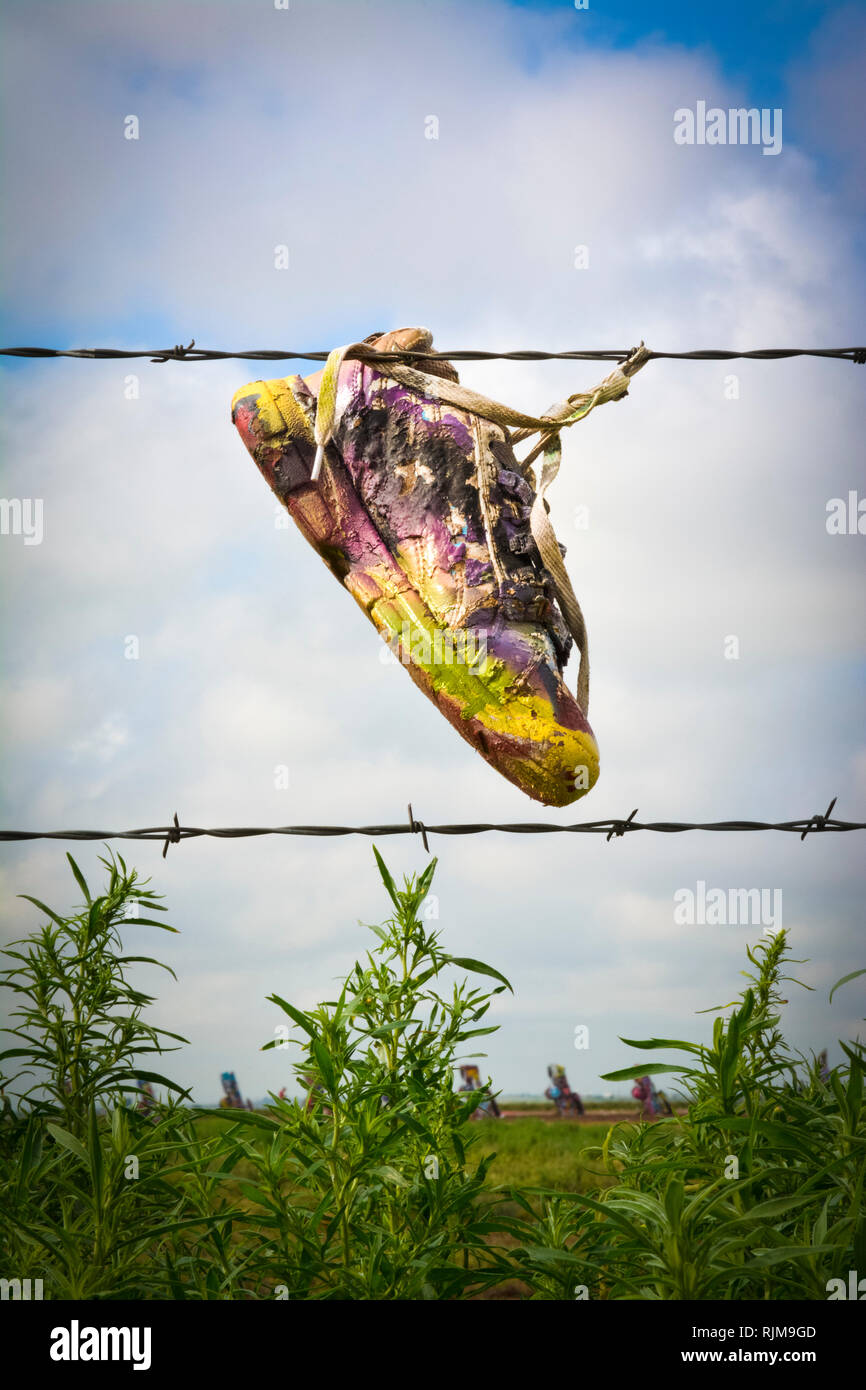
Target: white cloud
[706, 514]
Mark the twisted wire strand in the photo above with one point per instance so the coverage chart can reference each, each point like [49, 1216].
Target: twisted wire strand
[191, 353]
[612, 827]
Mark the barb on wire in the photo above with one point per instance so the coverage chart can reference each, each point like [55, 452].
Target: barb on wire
[191, 353]
[177, 354]
[621, 826]
[172, 836]
[417, 826]
[819, 822]
[614, 827]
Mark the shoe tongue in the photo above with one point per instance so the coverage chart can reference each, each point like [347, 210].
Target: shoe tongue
[413, 340]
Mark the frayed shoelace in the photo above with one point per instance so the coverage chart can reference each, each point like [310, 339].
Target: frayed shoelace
[517, 427]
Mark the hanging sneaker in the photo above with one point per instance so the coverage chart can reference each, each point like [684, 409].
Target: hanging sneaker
[407, 485]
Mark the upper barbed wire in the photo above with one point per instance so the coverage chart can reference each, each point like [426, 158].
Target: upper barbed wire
[191, 353]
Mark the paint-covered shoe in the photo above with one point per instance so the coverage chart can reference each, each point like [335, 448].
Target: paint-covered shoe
[417, 504]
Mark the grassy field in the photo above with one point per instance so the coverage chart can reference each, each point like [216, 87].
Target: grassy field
[544, 1104]
[529, 1152]
[538, 1153]
[387, 1189]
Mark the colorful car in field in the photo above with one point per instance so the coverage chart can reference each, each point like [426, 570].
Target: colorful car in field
[653, 1102]
[487, 1107]
[232, 1097]
[566, 1100]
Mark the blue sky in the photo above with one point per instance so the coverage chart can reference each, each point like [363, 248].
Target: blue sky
[754, 40]
[707, 511]
[760, 49]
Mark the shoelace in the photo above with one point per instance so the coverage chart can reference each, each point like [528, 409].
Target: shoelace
[518, 427]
